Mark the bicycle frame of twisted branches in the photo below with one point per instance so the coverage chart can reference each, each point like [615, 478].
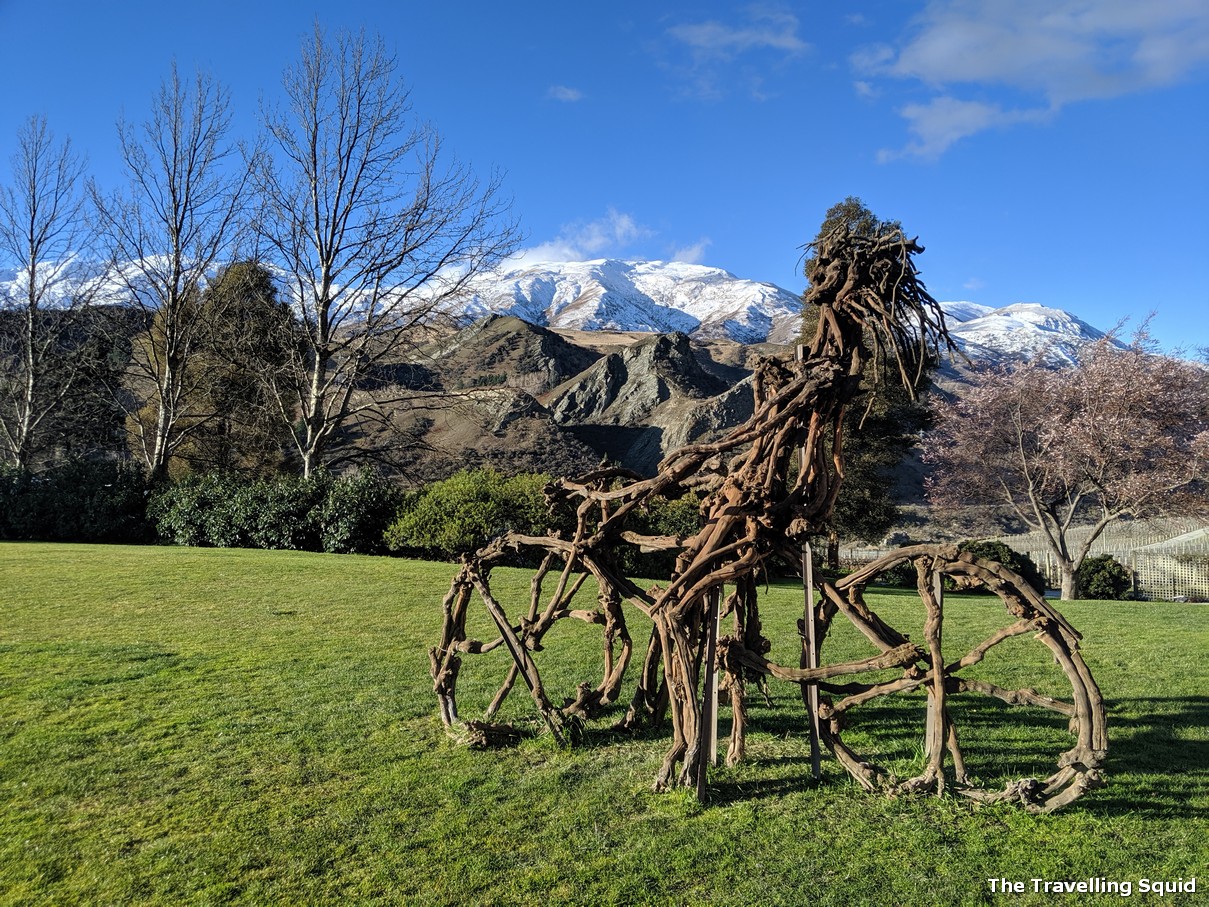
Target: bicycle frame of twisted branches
[871, 304]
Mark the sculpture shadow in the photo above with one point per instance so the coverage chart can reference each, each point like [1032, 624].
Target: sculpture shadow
[1158, 759]
[1157, 767]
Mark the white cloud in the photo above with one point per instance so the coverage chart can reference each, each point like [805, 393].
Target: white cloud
[564, 93]
[767, 28]
[1056, 51]
[723, 56]
[694, 254]
[1067, 50]
[945, 120]
[606, 237]
[872, 58]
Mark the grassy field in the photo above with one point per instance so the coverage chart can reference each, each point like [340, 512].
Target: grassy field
[189, 726]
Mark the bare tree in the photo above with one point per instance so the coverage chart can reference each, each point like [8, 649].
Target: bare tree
[374, 232]
[1122, 435]
[181, 216]
[45, 237]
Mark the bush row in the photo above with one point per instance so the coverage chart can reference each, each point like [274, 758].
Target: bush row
[87, 501]
[320, 513]
[904, 574]
[467, 510]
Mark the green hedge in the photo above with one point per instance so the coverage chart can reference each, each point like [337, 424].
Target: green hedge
[681, 518]
[1104, 578]
[75, 501]
[904, 574]
[1010, 558]
[345, 516]
[464, 512]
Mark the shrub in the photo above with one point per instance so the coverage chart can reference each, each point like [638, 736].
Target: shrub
[75, 501]
[465, 511]
[1104, 578]
[356, 513]
[680, 517]
[199, 510]
[284, 513]
[900, 576]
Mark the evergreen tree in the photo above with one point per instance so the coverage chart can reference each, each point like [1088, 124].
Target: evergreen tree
[881, 428]
[249, 336]
[852, 215]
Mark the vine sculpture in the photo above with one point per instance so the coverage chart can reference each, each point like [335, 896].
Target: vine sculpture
[767, 486]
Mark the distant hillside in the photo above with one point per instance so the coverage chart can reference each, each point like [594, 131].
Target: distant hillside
[504, 349]
[558, 366]
[1017, 332]
[532, 398]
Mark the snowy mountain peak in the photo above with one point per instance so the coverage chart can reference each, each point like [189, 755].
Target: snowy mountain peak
[660, 296]
[612, 295]
[1017, 332]
[705, 302]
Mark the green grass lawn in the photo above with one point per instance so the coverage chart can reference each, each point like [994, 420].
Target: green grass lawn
[194, 726]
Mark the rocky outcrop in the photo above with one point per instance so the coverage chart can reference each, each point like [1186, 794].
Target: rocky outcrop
[501, 350]
[637, 405]
[530, 398]
[626, 387]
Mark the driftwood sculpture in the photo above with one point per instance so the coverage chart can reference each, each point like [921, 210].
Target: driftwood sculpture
[768, 486]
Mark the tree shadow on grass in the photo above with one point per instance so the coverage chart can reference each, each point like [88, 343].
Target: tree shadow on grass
[1158, 758]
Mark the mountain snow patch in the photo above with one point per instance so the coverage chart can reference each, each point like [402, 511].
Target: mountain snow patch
[610, 295]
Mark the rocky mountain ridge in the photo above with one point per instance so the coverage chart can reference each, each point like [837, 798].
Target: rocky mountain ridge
[712, 304]
[558, 366]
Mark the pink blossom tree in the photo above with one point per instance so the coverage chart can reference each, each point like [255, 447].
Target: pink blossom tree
[1122, 435]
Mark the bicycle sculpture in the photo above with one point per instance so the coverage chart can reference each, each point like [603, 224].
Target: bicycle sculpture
[767, 486]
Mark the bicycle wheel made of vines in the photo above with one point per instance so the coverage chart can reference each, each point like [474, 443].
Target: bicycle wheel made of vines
[959, 702]
[519, 637]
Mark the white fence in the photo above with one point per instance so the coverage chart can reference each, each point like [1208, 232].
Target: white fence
[1169, 558]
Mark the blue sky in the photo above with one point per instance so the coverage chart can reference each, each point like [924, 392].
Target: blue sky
[1052, 151]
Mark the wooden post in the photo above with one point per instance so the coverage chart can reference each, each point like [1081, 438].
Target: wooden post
[810, 642]
[936, 733]
[810, 646]
[708, 735]
[715, 632]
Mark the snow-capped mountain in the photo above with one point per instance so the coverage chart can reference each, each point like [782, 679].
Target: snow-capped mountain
[609, 295]
[704, 302]
[1017, 332]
